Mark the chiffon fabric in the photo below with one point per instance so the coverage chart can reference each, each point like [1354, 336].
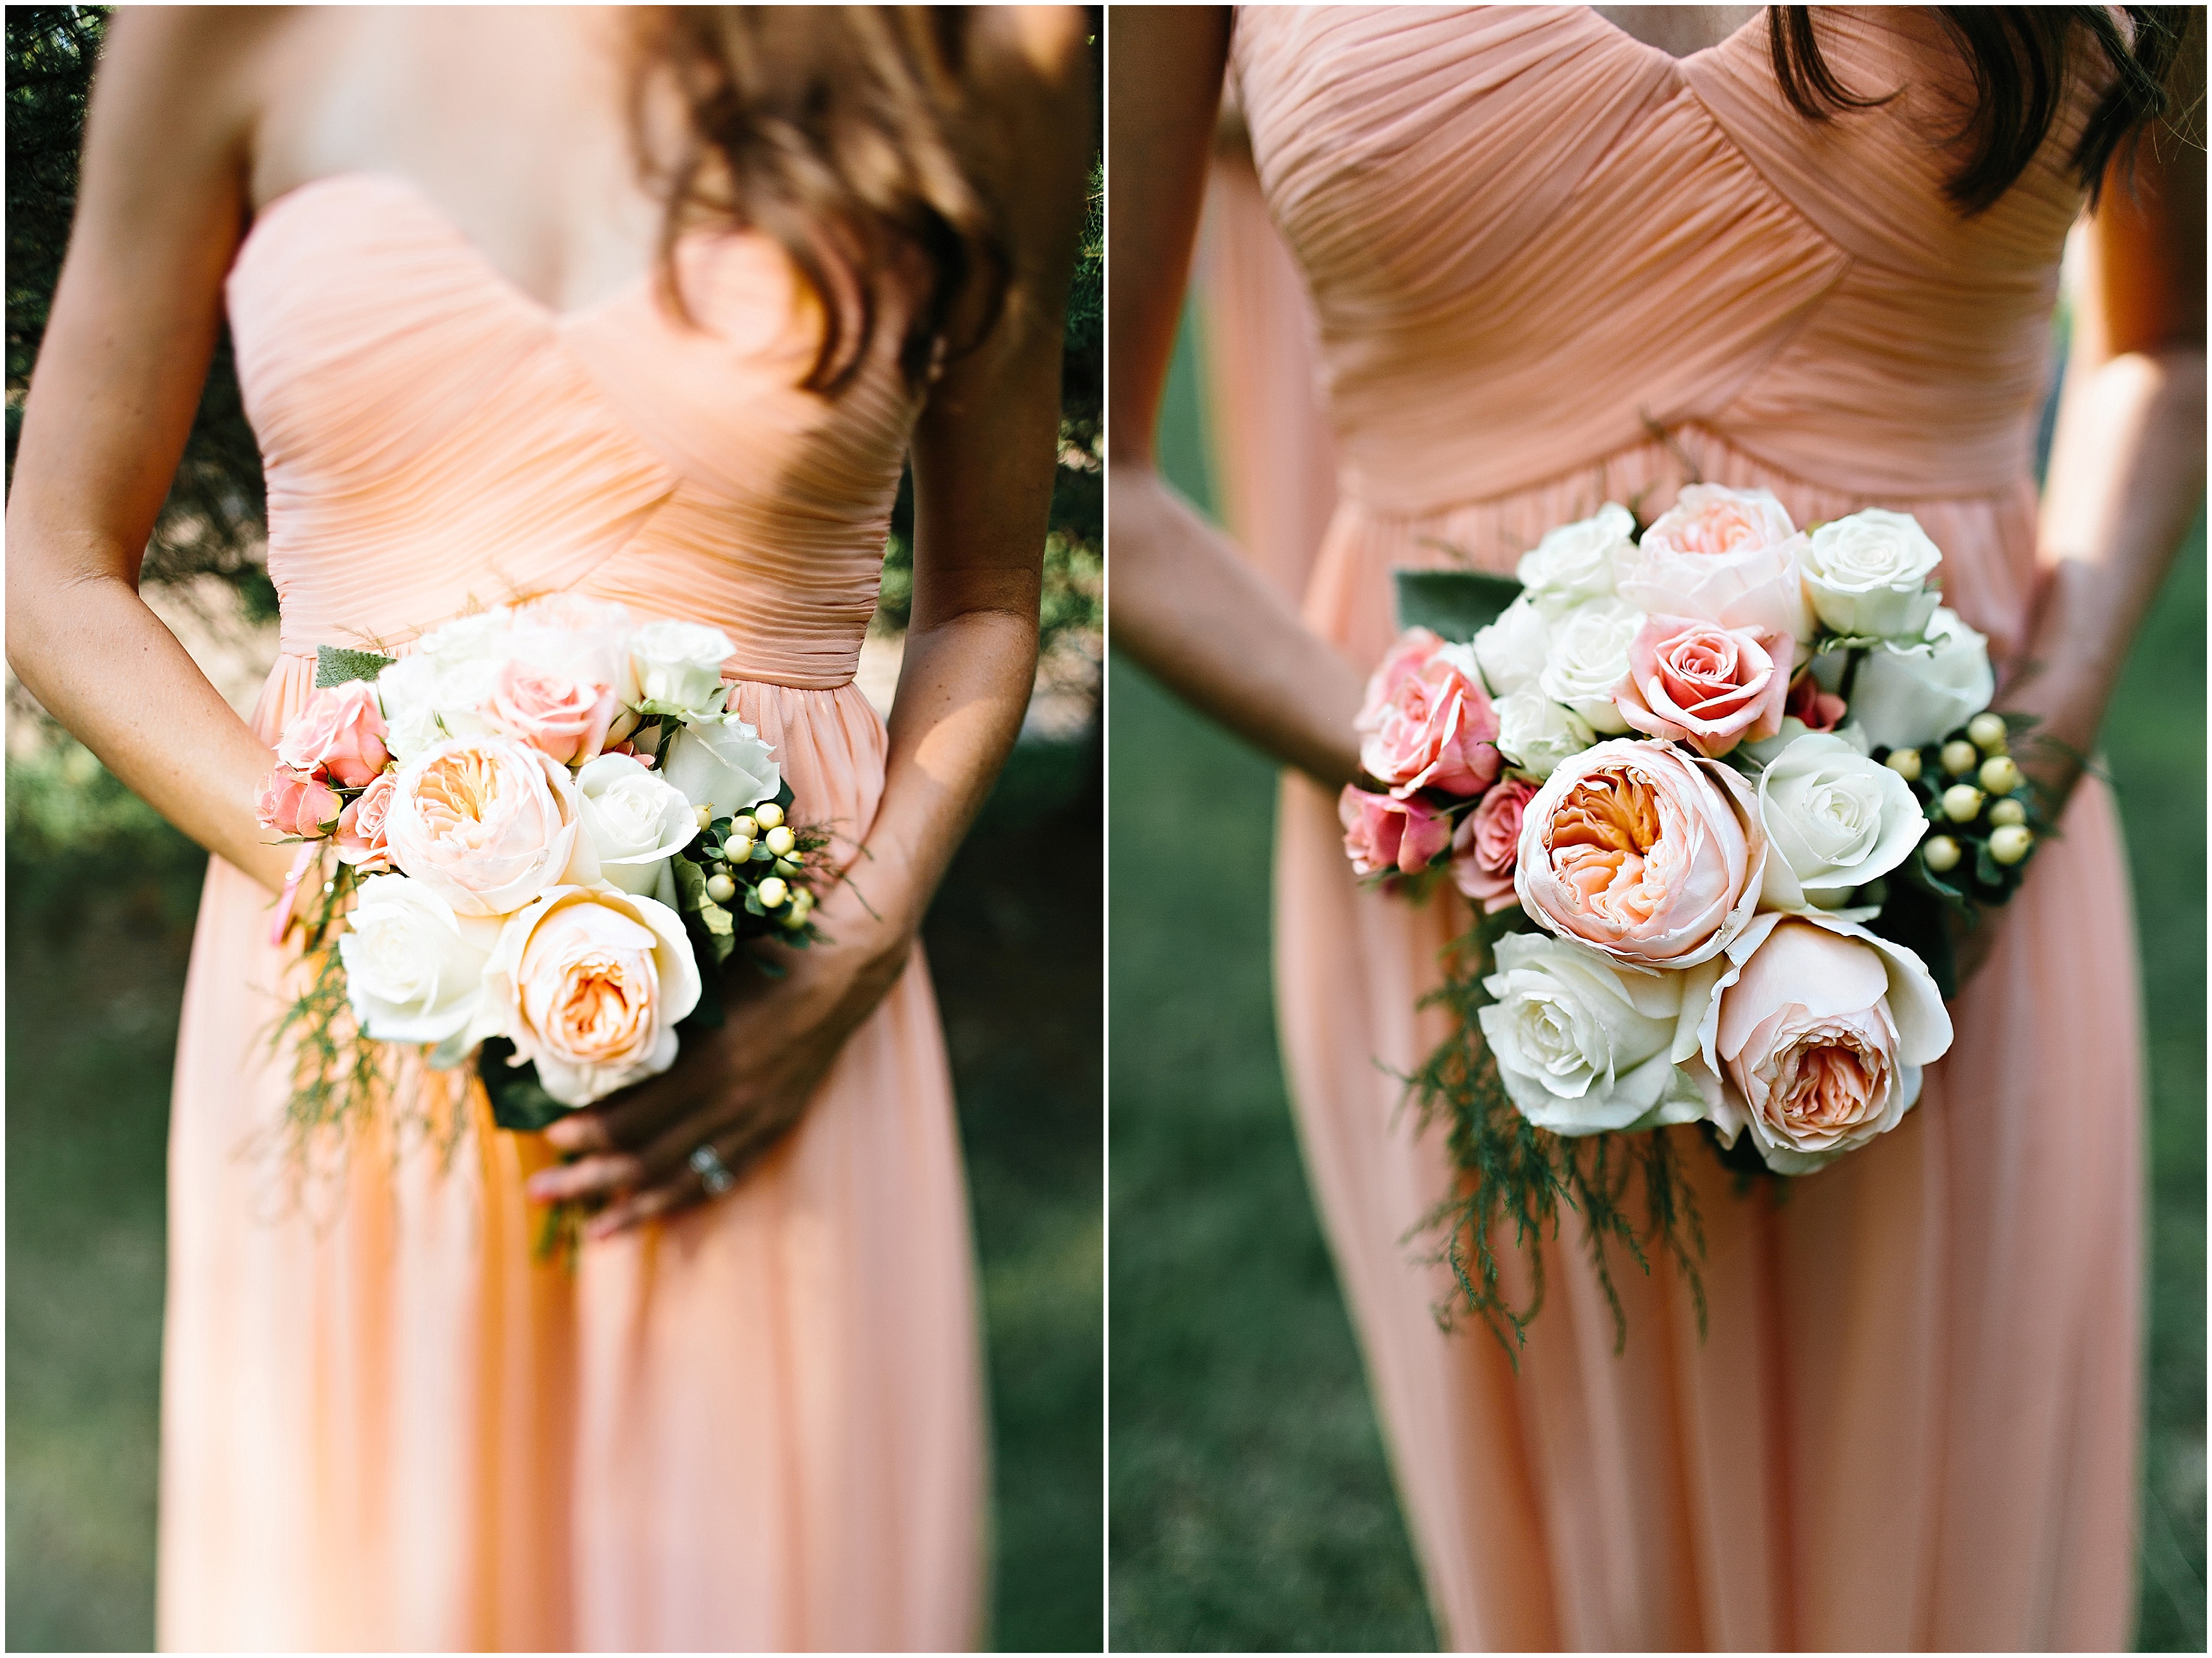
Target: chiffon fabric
[1552, 266]
[386, 1424]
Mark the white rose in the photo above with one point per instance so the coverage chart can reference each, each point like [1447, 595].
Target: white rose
[427, 699]
[1536, 733]
[724, 763]
[1868, 574]
[636, 822]
[414, 969]
[1579, 562]
[1907, 696]
[1582, 1047]
[1510, 651]
[1837, 818]
[680, 663]
[1588, 658]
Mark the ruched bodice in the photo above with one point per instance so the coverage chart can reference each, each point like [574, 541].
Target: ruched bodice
[435, 438]
[1508, 209]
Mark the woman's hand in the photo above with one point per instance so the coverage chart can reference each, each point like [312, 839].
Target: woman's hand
[738, 1089]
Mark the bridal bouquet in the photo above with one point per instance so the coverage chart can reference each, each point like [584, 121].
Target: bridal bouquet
[1711, 789]
[550, 830]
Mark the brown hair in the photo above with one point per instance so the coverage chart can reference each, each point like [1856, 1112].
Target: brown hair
[2018, 57]
[847, 134]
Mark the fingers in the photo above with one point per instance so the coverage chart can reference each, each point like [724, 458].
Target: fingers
[673, 1183]
[628, 1120]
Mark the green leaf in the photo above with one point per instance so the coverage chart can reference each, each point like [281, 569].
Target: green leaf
[1454, 605]
[519, 1100]
[690, 885]
[336, 666]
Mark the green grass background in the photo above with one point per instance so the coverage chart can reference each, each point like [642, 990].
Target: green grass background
[1251, 1508]
[92, 996]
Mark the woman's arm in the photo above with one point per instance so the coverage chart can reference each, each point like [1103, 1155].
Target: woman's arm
[1185, 603]
[983, 456]
[160, 207]
[2127, 464]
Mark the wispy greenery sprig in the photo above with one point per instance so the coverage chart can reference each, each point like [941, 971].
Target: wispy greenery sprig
[1516, 1178]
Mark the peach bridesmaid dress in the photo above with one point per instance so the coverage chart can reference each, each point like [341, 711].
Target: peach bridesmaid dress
[1528, 237]
[384, 1424]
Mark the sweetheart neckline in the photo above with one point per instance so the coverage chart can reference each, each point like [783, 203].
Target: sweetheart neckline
[550, 316]
[1661, 52]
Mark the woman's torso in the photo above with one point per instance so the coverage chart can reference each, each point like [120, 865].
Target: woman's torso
[1533, 240]
[468, 385]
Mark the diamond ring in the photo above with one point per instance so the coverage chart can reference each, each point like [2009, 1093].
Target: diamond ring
[707, 1164]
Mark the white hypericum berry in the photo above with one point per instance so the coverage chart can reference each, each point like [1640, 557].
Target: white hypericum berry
[1999, 775]
[2010, 844]
[773, 892]
[781, 840]
[2007, 811]
[1987, 732]
[1962, 803]
[1940, 852]
[721, 888]
[1960, 757]
[768, 814]
[1905, 762]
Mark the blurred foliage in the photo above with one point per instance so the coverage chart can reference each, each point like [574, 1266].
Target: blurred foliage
[214, 520]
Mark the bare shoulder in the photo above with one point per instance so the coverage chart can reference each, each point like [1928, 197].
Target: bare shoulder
[187, 83]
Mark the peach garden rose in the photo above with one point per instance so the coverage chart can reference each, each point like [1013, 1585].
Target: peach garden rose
[1727, 557]
[1820, 1030]
[1642, 852]
[486, 822]
[590, 983]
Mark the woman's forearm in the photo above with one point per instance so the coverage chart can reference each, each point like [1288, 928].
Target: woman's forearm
[964, 685]
[1203, 620]
[2126, 478]
[104, 666]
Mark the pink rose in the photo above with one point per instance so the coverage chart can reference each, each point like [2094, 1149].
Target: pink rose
[567, 718]
[1709, 686]
[340, 732]
[1428, 723]
[1488, 845]
[1819, 1029]
[1811, 706]
[591, 984]
[294, 802]
[1712, 521]
[485, 822]
[1382, 834]
[1728, 557]
[1642, 852]
[361, 825]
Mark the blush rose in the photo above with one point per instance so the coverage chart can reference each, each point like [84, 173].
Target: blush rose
[340, 733]
[1709, 686]
[1487, 844]
[294, 802]
[565, 717]
[1383, 835]
[361, 825]
[1428, 723]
